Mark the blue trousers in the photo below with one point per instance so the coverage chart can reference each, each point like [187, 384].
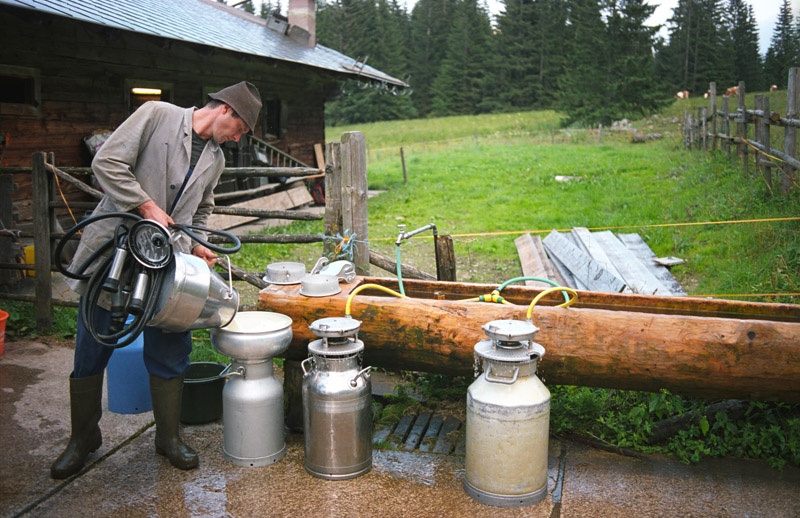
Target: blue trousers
[166, 354]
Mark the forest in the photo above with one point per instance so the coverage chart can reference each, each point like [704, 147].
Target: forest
[595, 61]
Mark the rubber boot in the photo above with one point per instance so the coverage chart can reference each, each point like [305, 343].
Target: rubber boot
[85, 398]
[166, 395]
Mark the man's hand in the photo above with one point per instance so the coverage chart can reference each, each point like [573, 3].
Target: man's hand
[149, 210]
[205, 254]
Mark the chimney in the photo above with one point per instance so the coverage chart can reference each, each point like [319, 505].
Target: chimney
[303, 21]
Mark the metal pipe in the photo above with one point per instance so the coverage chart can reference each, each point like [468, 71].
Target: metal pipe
[407, 235]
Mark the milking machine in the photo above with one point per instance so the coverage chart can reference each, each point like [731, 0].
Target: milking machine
[147, 283]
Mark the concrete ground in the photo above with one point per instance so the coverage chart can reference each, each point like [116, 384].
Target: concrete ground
[126, 478]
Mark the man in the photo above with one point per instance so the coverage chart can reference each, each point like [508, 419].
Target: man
[162, 163]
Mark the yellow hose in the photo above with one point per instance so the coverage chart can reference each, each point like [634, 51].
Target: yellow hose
[364, 287]
[552, 290]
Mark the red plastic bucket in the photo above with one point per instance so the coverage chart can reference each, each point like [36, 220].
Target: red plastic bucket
[3, 318]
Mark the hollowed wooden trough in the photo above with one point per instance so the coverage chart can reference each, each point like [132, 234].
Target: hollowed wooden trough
[708, 348]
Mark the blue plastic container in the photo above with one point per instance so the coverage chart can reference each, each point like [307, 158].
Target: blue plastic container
[128, 380]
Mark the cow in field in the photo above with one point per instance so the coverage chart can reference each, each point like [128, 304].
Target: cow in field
[773, 88]
[733, 90]
[683, 94]
[707, 94]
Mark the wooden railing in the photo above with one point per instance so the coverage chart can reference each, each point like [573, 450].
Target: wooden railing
[748, 132]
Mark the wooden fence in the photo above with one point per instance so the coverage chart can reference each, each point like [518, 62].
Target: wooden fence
[345, 183]
[748, 132]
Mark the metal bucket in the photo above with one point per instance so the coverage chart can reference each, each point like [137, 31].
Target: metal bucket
[202, 393]
[194, 297]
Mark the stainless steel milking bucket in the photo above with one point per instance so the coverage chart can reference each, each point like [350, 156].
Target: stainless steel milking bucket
[508, 419]
[252, 400]
[337, 402]
[194, 297]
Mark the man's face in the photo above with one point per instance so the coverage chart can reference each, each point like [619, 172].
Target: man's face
[228, 126]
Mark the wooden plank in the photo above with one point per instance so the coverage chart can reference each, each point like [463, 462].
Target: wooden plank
[320, 156]
[534, 260]
[634, 273]
[398, 436]
[588, 244]
[446, 443]
[636, 244]
[431, 434]
[582, 266]
[415, 435]
[283, 200]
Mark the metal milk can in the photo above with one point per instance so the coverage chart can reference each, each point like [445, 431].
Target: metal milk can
[252, 399]
[337, 402]
[508, 419]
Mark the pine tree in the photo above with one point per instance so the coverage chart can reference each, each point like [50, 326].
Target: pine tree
[784, 49]
[697, 50]
[461, 83]
[630, 74]
[746, 59]
[528, 53]
[430, 24]
[583, 91]
[373, 33]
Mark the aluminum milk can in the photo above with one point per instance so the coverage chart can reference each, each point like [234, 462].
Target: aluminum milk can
[337, 402]
[508, 419]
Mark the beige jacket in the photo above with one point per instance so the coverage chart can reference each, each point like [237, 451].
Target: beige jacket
[147, 158]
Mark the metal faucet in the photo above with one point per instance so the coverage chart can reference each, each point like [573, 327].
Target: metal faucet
[407, 235]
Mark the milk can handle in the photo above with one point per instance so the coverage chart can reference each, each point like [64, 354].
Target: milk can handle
[310, 359]
[363, 373]
[227, 372]
[505, 381]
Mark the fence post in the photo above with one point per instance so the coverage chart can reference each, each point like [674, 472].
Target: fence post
[712, 92]
[790, 133]
[354, 196]
[332, 222]
[762, 135]
[726, 125]
[702, 114]
[741, 126]
[43, 287]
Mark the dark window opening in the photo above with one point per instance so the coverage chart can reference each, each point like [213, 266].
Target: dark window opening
[272, 119]
[18, 90]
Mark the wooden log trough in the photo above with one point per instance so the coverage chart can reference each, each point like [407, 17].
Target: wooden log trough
[708, 348]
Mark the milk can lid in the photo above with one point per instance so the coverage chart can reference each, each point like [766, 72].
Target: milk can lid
[511, 352]
[333, 327]
[510, 330]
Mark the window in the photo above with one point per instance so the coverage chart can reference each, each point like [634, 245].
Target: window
[139, 92]
[20, 90]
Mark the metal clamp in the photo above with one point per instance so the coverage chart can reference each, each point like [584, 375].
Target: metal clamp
[504, 381]
[363, 373]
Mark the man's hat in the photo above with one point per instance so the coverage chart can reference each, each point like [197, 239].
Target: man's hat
[244, 99]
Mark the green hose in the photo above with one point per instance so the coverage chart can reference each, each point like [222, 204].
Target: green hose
[540, 279]
[399, 272]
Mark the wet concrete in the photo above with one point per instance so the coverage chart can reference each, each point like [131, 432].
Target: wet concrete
[126, 478]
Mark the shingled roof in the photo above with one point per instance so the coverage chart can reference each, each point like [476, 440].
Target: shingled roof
[209, 23]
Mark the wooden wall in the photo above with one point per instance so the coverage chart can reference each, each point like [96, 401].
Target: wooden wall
[84, 72]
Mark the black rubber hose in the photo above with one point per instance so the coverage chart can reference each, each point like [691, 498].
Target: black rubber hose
[187, 229]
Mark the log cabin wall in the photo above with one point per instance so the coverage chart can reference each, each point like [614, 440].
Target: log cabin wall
[82, 74]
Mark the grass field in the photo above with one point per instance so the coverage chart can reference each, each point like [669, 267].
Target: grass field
[485, 180]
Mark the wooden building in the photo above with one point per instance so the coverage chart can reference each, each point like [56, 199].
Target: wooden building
[71, 68]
